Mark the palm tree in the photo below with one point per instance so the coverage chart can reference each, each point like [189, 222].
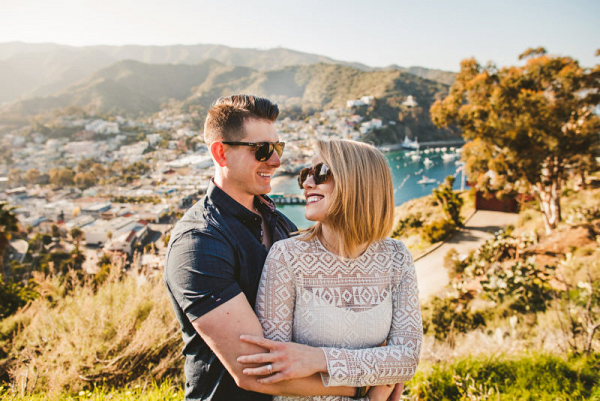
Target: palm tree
[8, 224]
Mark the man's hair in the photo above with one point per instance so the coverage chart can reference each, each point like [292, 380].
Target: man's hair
[226, 117]
[362, 206]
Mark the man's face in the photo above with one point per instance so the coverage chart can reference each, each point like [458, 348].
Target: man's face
[245, 175]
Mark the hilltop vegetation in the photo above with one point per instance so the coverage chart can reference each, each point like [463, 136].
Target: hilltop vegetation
[36, 70]
[137, 89]
[529, 338]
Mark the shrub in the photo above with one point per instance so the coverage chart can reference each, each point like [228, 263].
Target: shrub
[524, 285]
[438, 230]
[121, 331]
[533, 377]
[443, 317]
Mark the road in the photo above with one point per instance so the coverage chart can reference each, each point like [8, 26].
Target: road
[431, 273]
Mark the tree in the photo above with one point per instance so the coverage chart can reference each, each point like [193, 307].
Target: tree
[527, 124]
[77, 235]
[451, 202]
[84, 180]
[32, 176]
[8, 225]
[14, 177]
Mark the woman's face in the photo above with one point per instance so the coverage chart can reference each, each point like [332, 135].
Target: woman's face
[318, 197]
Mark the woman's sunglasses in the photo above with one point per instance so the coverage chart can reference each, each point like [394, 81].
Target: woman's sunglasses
[320, 173]
[262, 150]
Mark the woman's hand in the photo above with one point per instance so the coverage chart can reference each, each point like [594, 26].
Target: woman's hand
[388, 392]
[284, 361]
[380, 393]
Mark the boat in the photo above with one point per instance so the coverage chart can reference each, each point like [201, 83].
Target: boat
[448, 157]
[415, 157]
[427, 180]
[427, 162]
[408, 144]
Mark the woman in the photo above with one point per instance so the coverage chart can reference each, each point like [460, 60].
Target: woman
[342, 285]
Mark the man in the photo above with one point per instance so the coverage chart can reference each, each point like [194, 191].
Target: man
[217, 251]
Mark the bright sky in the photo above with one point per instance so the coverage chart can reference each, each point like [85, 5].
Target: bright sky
[433, 34]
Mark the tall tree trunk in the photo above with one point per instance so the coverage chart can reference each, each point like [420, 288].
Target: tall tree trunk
[549, 197]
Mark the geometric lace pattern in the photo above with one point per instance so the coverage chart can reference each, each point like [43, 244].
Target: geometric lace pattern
[349, 307]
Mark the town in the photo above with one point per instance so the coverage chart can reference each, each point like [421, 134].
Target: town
[114, 187]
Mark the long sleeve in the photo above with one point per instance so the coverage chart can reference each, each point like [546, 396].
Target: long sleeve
[276, 295]
[397, 361]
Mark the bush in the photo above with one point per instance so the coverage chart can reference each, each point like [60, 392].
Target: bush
[122, 331]
[523, 285]
[533, 377]
[438, 230]
[444, 317]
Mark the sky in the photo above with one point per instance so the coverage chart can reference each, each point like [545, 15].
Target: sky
[433, 34]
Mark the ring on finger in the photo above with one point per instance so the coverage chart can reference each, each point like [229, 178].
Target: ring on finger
[270, 369]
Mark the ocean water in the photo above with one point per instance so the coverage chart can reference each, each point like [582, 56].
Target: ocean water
[405, 175]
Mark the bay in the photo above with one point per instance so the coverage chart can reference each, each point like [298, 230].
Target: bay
[406, 173]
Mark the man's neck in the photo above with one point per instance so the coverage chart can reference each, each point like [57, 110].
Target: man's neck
[245, 200]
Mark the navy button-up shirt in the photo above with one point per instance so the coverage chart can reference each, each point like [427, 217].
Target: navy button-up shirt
[215, 253]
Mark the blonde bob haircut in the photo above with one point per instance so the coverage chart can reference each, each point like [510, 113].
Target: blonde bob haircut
[362, 207]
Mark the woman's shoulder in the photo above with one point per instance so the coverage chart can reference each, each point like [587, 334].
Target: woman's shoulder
[392, 245]
[292, 245]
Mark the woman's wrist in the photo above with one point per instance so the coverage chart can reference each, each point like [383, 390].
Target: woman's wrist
[320, 361]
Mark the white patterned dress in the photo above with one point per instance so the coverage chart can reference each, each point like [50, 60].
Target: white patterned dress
[348, 307]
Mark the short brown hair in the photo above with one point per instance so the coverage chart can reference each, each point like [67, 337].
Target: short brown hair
[226, 117]
[362, 207]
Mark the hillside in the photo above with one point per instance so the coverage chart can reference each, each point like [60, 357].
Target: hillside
[44, 69]
[133, 88]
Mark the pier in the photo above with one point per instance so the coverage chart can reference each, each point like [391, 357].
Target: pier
[283, 199]
[423, 145]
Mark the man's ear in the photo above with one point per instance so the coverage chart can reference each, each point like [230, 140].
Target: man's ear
[217, 149]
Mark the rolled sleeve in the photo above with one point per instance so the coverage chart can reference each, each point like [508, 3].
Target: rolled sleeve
[200, 273]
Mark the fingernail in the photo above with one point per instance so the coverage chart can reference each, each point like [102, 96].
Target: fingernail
[242, 337]
[245, 371]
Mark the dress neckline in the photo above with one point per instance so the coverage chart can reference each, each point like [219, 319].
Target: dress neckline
[345, 259]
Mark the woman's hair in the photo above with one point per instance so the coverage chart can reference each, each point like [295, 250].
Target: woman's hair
[362, 208]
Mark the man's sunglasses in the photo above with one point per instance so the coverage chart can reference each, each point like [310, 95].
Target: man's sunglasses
[262, 150]
[320, 173]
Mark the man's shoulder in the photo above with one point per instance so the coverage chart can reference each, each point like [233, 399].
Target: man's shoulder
[203, 218]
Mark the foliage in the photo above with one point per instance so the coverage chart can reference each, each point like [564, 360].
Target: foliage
[143, 392]
[529, 377]
[451, 201]
[527, 124]
[578, 307]
[408, 224]
[444, 317]
[8, 224]
[523, 284]
[438, 230]
[118, 332]
[13, 296]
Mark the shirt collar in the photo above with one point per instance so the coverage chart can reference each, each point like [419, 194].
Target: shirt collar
[233, 207]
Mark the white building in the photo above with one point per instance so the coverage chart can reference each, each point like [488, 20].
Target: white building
[410, 102]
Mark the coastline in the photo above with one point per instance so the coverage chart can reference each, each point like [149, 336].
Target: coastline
[279, 178]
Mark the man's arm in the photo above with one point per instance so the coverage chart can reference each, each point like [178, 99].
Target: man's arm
[221, 329]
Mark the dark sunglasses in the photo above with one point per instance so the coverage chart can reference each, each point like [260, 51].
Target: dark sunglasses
[320, 173]
[262, 150]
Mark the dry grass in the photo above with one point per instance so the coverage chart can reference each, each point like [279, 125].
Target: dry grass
[122, 332]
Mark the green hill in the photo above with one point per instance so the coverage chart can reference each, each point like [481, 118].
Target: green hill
[45, 69]
[134, 88]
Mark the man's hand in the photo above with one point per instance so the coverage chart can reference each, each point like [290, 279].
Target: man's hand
[284, 361]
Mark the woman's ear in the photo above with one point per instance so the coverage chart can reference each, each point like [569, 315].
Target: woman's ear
[217, 149]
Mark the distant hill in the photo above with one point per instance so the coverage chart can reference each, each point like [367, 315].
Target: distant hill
[134, 88]
[31, 70]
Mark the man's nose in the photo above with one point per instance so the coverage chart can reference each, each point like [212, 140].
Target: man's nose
[274, 160]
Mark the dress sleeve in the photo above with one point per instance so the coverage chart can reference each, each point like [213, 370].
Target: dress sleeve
[276, 295]
[396, 361]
